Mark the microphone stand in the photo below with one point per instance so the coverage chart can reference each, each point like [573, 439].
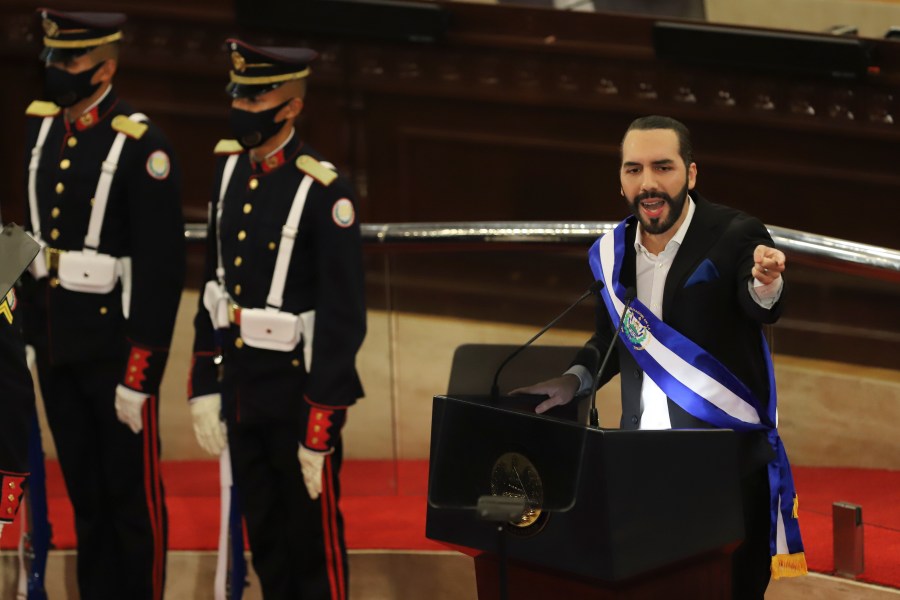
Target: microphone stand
[500, 510]
[495, 389]
[630, 295]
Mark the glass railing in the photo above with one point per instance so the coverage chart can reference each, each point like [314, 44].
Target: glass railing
[432, 287]
[527, 232]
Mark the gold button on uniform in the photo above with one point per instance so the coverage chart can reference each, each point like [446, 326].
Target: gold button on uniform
[271, 245]
[238, 343]
[55, 212]
[237, 261]
[247, 207]
[103, 311]
[92, 201]
[295, 362]
[11, 498]
[54, 233]
[65, 164]
[254, 183]
[242, 235]
[73, 141]
[60, 188]
[54, 282]
[315, 440]
[317, 429]
[237, 290]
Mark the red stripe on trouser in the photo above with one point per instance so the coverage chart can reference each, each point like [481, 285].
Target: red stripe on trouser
[333, 556]
[152, 491]
[339, 555]
[160, 549]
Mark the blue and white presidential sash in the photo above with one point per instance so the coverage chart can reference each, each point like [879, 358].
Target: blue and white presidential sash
[705, 388]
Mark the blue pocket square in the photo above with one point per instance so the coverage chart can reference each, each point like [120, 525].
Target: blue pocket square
[705, 272]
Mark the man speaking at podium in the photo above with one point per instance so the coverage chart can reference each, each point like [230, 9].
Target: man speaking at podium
[690, 351]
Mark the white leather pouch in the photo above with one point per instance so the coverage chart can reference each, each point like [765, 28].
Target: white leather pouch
[215, 300]
[271, 329]
[88, 273]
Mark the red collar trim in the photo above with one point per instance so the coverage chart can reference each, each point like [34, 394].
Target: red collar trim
[93, 116]
[271, 163]
[88, 119]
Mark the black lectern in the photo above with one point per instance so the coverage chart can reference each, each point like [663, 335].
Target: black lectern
[639, 513]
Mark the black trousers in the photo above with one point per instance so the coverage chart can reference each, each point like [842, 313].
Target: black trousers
[17, 397]
[113, 480]
[297, 543]
[751, 562]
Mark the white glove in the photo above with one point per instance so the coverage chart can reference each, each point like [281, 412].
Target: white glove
[30, 357]
[311, 463]
[129, 405]
[1, 529]
[208, 426]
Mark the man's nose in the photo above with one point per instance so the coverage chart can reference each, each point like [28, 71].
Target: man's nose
[648, 182]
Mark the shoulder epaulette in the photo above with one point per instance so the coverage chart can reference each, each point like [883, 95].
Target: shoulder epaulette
[41, 108]
[228, 147]
[129, 127]
[316, 170]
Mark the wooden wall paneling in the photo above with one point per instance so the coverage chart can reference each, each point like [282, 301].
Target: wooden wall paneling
[13, 101]
[517, 114]
[504, 177]
[467, 160]
[535, 91]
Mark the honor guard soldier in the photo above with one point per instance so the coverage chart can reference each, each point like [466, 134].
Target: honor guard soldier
[283, 303]
[16, 409]
[104, 201]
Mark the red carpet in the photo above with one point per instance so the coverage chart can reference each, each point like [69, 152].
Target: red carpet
[878, 492]
[384, 508]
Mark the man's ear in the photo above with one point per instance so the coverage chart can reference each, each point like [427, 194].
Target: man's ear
[105, 73]
[296, 107]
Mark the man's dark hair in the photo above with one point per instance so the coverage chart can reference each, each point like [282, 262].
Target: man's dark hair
[659, 122]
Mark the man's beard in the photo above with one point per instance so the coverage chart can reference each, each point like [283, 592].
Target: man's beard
[656, 225]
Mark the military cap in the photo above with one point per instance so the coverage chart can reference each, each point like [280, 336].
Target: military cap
[259, 69]
[71, 34]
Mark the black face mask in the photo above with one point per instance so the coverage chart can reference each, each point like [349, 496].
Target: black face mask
[253, 128]
[65, 89]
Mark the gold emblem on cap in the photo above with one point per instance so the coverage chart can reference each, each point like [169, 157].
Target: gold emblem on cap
[239, 63]
[50, 28]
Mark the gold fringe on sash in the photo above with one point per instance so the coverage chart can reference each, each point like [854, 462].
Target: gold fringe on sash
[796, 509]
[789, 565]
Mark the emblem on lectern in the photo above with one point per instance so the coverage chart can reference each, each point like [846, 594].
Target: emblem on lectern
[514, 476]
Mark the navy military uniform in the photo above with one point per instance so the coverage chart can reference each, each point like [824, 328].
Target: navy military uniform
[17, 408]
[271, 401]
[90, 344]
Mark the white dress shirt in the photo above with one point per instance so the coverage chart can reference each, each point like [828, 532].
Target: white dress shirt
[652, 270]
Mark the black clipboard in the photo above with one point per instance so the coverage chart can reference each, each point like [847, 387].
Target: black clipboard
[17, 250]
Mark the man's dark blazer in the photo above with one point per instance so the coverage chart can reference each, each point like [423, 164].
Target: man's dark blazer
[707, 300]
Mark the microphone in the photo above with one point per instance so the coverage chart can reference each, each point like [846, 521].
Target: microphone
[594, 289]
[630, 295]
